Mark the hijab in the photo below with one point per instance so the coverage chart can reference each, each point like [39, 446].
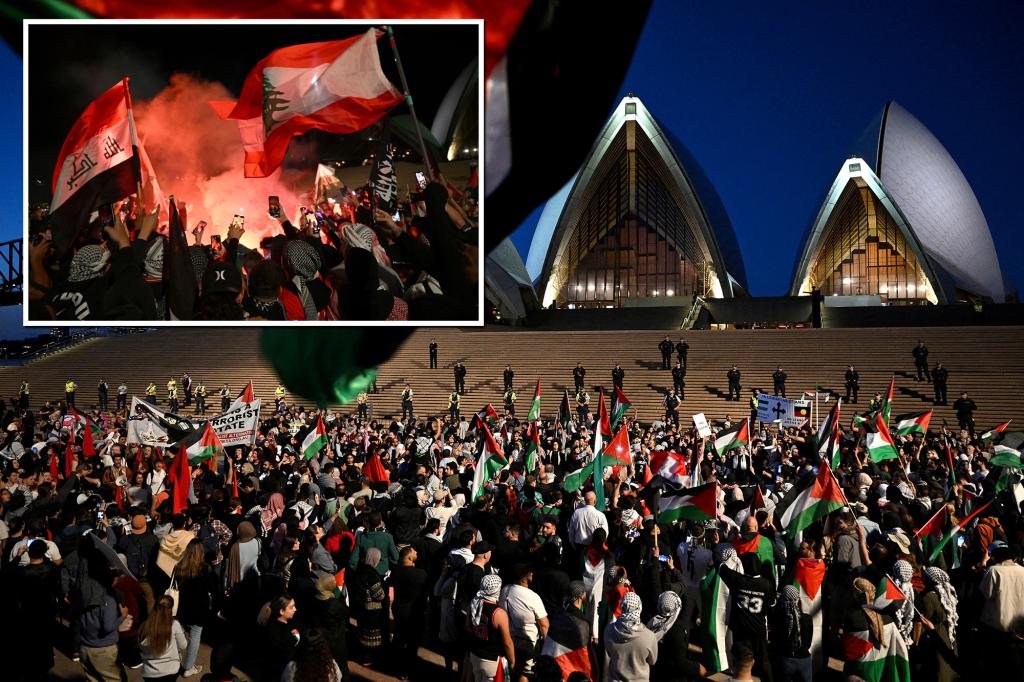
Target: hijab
[272, 512]
[245, 532]
[669, 606]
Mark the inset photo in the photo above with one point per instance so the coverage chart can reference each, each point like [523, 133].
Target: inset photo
[214, 173]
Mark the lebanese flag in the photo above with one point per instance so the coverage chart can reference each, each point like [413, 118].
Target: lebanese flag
[878, 441]
[620, 405]
[732, 438]
[336, 86]
[808, 577]
[989, 435]
[915, 422]
[95, 165]
[375, 471]
[492, 460]
[828, 436]
[564, 644]
[617, 452]
[810, 499]
[535, 405]
[315, 440]
[696, 504]
[180, 473]
[671, 466]
[885, 661]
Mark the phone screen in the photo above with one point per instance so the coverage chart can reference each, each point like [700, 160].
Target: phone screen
[421, 179]
[106, 213]
[274, 203]
[215, 240]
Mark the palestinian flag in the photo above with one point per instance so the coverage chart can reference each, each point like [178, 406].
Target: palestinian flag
[860, 421]
[886, 408]
[732, 438]
[246, 396]
[828, 436]
[491, 461]
[989, 435]
[533, 449]
[915, 422]
[564, 644]
[942, 531]
[315, 439]
[812, 498]
[617, 453]
[757, 500]
[602, 432]
[374, 469]
[695, 504]
[886, 594]
[202, 445]
[878, 442]
[885, 661]
[534, 414]
[593, 582]
[564, 411]
[180, 474]
[1009, 480]
[759, 546]
[1004, 456]
[670, 466]
[336, 86]
[808, 577]
[620, 406]
[80, 420]
[573, 481]
[487, 416]
[714, 612]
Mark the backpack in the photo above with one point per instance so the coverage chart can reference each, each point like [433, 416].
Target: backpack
[208, 536]
[135, 557]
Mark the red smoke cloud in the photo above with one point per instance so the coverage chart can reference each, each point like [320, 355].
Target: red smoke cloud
[197, 157]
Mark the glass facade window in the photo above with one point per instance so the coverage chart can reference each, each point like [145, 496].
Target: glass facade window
[864, 252]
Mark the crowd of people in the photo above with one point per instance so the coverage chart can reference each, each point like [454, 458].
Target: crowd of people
[344, 260]
[399, 533]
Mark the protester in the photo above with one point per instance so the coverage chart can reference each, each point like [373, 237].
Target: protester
[162, 641]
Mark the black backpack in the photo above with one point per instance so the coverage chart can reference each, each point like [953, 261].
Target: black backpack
[208, 536]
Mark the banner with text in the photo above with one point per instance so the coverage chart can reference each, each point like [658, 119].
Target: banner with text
[150, 425]
[788, 411]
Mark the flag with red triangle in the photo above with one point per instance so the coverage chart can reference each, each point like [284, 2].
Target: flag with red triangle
[991, 435]
[535, 405]
[757, 500]
[202, 445]
[247, 395]
[491, 461]
[487, 416]
[886, 408]
[878, 441]
[315, 440]
[947, 531]
[731, 438]
[620, 406]
[617, 453]
[566, 645]
[808, 577]
[695, 504]
[602, 432]
[564, 411]
[812, 498]
[914, 422]
[533, 449]
[887, 593]
[671, 466]
[828, 436]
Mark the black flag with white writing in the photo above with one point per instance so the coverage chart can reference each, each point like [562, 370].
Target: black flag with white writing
[382, 178]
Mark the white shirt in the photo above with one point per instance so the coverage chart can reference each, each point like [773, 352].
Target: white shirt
[524, 608]
[442, 514]
[52, 553]
[584, 522]
[156, 481]
[693, 563]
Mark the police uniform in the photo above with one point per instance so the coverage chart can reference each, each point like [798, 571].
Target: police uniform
[779, 382]
[362, 408]
[852, 384]
[433, 355]
[101, 393]
[940, 375]
[583, 406]
[172, 395]
[225, 401]
[279, 396]
[510, 402]
[23, 395]
[122, 397]
[920, 354]
[666, 352]
[460, 378]
[201, 399]
[453, 405]
[579, 374]
[964, 408]
[407, 395]
[679, 381]
[734, 384]
[151, 393]
[671, 409]
[618, 374]
[509, 375]
[186, 388]
[682, 349]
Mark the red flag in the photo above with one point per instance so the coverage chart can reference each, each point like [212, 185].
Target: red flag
[54, 470]
[68, 457]
[336, 86]
[247, 394]
[88, 449]
[118, 497]
[180, 474]
[375, 471]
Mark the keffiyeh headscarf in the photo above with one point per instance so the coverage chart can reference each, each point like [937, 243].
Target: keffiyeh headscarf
[902, 574]
[791, 613]
[669, 606]
[88, 263]
[629, 621]
[576, 590]
[303, 263]
[490, 588]
[273, 510]
[199, 259]
[725, 555]
[947, 595]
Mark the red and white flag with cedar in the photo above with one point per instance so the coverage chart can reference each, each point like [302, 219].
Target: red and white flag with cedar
[336, 86]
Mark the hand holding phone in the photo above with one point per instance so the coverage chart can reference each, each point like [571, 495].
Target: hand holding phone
[274, 206]
[421, 179]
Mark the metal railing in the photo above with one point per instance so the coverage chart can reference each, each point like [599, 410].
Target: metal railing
[691, 315]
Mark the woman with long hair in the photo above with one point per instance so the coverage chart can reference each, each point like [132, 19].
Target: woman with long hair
[280, 637]
[368, 599]
[161, 641]
[243, 557]
[196, 583]
[313, 661]
[329, 613]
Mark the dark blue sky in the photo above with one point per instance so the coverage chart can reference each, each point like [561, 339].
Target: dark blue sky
[770, 99]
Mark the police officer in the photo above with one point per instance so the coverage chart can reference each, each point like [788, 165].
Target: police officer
[672, 407]
[186, 389]
[964, 408]
[509, 375]
[122, 396]
[460, 377]
[453, 405]
[362, 409]
[279, 394]
[920, 353]
[734, 383]
[583, 405]
[151, 393]
[172, 395]
[682, 349]
[225, 399]
[875, 403]
[666, 352]
[407, 395]
[433, 353]
[779, 382]
[101, 393]
[579, 374]
[23, 395]
[201, 398]
[69, 391]
[618, 374]
[510, 401]
[852, 383]
[679, 380]
[940, 375]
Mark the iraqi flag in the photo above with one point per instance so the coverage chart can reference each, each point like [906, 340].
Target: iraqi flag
[535, 405]
[202, 445]
[828, 436]
[991, 435]
[315, 440]
[566, 645]
[915, 422]
[884, 661]
[492, 460]
[808, 577]
[95, 165]
[732, 438]
[336, 86]
[620, 406]
[812, 498]
[712, 633]
[878, 441]
[671, 466]
[695, 504]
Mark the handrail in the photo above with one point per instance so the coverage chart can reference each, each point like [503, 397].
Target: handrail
[691, 315]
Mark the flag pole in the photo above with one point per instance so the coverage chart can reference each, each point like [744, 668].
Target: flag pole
[136, 161]
[408, 100]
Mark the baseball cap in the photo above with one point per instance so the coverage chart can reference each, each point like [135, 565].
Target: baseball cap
[138, 524]
[221, 278]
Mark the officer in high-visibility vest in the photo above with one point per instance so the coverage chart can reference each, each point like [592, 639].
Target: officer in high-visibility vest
[23, 394]
[172, 395]
[453, 405]
[201, 398]
[362, 408]
[279, 394]
[225, 398]
[510, 402]
[69, 391]
[151, 393]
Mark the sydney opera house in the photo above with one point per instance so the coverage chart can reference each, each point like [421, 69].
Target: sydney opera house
[640, 225]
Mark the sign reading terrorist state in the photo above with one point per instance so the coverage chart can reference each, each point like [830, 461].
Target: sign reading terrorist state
[150, 425]
[787, 411]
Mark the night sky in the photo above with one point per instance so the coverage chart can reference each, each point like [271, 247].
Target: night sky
[770, 99]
